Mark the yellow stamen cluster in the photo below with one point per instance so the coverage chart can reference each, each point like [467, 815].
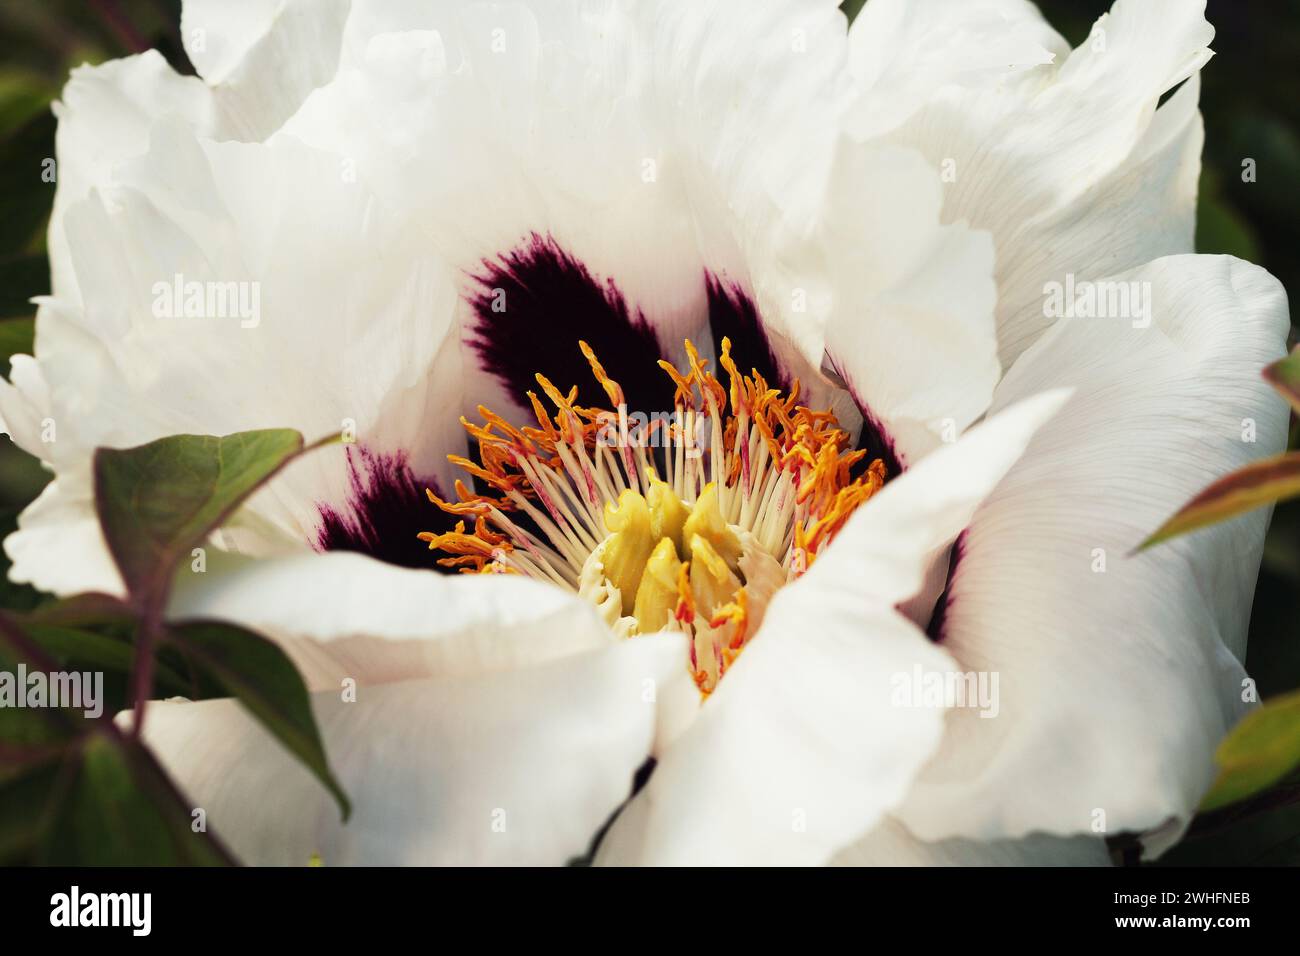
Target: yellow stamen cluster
[664, 528]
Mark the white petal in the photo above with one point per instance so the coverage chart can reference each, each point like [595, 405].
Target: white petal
[805, 743]
[799, 749]
[59, 548]
[24, 402]
[884, 550]
[105, 114]
[515, 767]
[357, 335]
[752, 93]
[891, 845]
[1070, 166]
[218, 34]
[1115, 685]
[859, 263]
[364, 330]
[487, 124]
[652, 142]
[261, 57]
[1143, 209]
[346, 615]
[911, 332]
[902, 52]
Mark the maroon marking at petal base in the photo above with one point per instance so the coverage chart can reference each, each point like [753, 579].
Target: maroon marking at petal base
[939, 617]
[386, 510]
[732, 315]
[875, 440]
[533, 306]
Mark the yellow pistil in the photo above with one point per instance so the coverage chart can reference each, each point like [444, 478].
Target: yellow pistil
[667, 514]
[713, 583]
[656, 596]
[629, 546]
[706, 522]
[689, 538]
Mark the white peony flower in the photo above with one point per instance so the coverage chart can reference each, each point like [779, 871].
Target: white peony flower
[379, 215]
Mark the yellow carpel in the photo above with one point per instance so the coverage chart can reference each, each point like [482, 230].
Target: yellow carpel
[706, 521]
[629, 545]
[713, 583]
[667, 513]
[656, 598]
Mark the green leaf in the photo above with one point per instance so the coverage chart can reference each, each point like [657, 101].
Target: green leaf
[86, 610]
[79, 650]
[23, 794]
[158, 501]
[97, 632]
[1260, 751]
[1284, 375]
[1259, 483]
[257, 673]
[26, 731]
[69, 647]
[115, 806]
[92, 795]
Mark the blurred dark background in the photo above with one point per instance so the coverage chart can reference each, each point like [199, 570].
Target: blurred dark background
[1251, 103]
